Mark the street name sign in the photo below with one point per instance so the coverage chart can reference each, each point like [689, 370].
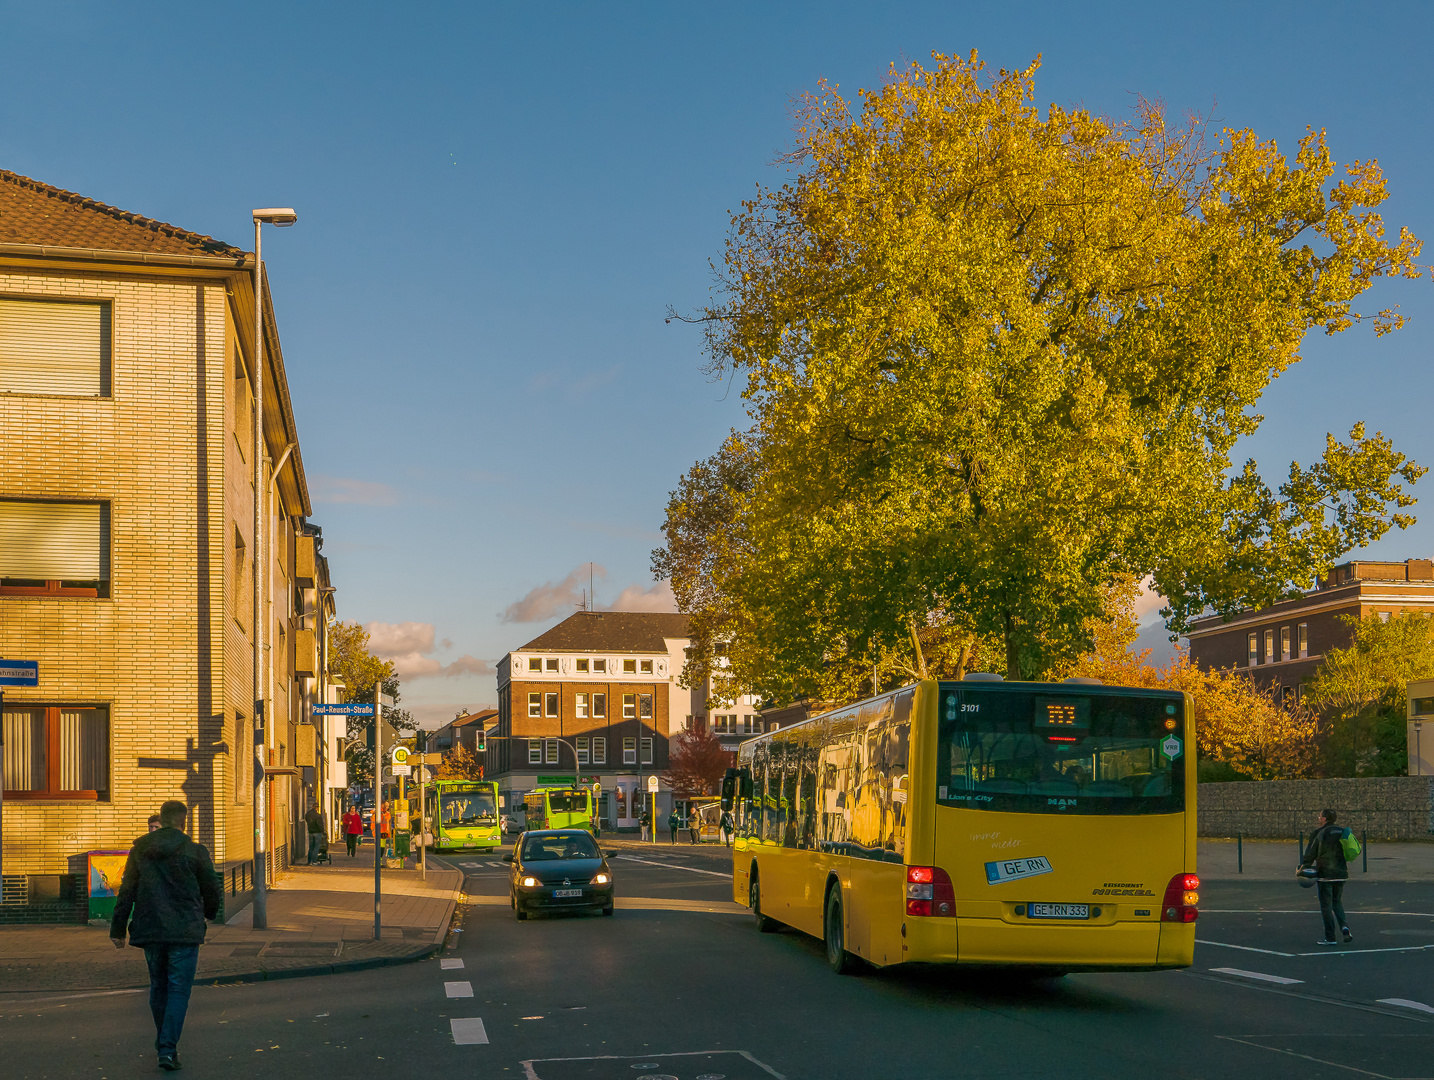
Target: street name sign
[403, 770]
[354, 709]
[19, 673]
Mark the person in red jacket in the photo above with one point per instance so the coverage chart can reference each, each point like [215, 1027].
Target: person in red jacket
[353, 829]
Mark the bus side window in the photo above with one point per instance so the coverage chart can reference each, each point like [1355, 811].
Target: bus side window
[791, 781]
[771, 802]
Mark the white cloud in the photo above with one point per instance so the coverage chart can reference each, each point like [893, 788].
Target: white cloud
[554, 598]
[635, 598]
[341, 489]
[430, 716]
[408, 644]
[1148, 603]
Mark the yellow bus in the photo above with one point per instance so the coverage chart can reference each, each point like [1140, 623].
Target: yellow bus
[1048, 826]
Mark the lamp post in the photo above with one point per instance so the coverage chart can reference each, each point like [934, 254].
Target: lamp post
[264, 730]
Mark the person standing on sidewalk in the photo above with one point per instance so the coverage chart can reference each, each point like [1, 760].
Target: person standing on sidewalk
[673, 823]
[315, 821]
[168, 890]
[353, 830]
[726, 827]
[645, 820]
[1326, 855]
[694, 823]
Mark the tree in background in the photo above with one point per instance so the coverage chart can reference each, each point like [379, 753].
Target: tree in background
[696, 763]
[459, 763]
[997, 359]
[351, 663]
[1362, 691]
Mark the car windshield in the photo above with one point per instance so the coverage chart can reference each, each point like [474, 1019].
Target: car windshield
[567, 846]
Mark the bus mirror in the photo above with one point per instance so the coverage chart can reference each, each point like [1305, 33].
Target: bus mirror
[746, 780]
[729, 788]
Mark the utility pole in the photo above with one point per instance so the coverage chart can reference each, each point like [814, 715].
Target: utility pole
[377, 811]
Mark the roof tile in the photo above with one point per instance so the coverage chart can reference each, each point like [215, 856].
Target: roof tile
[616, 631]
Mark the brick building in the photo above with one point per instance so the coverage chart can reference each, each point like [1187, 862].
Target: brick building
[1281, 645]
[126, 540]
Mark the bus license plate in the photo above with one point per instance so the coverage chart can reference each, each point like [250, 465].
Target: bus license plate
[563, 894]
[1058, 911]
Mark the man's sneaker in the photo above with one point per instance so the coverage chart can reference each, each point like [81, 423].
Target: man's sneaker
[1348, 937]
[170, 1064]
[1322, 941]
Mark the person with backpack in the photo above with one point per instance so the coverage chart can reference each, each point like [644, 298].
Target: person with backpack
[1327, 854]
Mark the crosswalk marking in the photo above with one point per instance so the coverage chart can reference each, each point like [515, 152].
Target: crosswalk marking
[458, 989]
[1258, 975]
[468, 1031]
[450, 963]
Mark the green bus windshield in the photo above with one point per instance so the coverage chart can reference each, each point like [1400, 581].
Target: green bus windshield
[457, 809]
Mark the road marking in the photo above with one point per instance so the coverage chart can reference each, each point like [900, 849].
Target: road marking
[1323, 952]
[1307, 911]
[1405, 1003]
[529, 1073]
[1258, 975]
[468, 1031]
[1318, 999]
[458, 989]
[1305, 1057]
[1242, 948]
[450, 963]
[674, 866]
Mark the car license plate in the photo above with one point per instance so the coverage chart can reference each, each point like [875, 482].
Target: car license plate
[563, 894]
[1058, 911]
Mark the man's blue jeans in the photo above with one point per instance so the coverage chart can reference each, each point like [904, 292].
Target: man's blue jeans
[171, 977]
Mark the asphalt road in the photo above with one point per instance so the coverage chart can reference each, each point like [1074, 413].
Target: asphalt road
[679, 984]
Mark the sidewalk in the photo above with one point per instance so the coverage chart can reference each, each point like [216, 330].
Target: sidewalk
[1275, 860]
[320, 922]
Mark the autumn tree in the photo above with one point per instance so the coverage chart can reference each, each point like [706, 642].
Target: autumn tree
[351, 663]
[459, 763]
[1362, 690]
[997, 358]
[696, 763]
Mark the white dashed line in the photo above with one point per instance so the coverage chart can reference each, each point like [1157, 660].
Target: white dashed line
[451, 963]
[468, 1031]
[1405, 1003]
[458, 989]
[1257, 975]
[674, 866]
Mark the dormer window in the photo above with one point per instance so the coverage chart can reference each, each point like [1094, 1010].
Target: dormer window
[582, 666]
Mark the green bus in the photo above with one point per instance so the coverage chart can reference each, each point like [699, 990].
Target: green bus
[560, 808]
[465, 814]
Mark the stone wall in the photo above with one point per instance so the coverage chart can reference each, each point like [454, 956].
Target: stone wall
[1384, 807]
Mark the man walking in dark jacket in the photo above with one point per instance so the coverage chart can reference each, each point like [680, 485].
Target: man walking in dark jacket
[170, 889]
[1325, 855]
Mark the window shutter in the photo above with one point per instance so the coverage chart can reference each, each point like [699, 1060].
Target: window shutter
[53, 541]
[51, 347]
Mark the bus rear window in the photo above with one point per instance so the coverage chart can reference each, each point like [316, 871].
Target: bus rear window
[1043, 752]
[566, 802]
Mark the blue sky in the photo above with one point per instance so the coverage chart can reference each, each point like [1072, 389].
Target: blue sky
[498, 203]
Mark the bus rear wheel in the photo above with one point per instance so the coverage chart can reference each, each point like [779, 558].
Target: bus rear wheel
[838, 959]
[765, 925]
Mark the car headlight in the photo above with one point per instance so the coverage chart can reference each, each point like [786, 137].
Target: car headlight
[601, 879]
[529, 882]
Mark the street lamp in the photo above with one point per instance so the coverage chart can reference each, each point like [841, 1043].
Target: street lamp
[282, 217]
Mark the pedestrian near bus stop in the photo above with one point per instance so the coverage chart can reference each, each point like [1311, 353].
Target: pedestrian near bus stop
[353, 830]
[673, 821]
[1325, 855]
[168, 890]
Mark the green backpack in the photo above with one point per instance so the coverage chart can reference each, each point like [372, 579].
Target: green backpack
[1349, 844]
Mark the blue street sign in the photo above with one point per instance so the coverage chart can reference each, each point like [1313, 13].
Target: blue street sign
[343, 710]
[19, 673]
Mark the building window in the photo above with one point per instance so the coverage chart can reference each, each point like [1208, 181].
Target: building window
[535, 704]
[535, 751]
[629, 706]
[535, 663]
[243, 759]
[582, 666]
[645, 666]
[1302, 633]
[55, 347]
[550, 752]
[581, 745]
[580, 706]
[1284, 643]
[550, 701]
[629, 751]
[1252, 645]
[746, 728]
[599, 750]
[629, 667]
[600, 667]
[687, 724]
[1289, 696]
[552, 663]
[600, 706]
[57, 752]
[54, 548]
[1384, 616]
[644, 706]
[1269, 646]
[647, 751]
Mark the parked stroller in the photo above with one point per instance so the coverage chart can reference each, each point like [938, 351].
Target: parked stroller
[322, 855]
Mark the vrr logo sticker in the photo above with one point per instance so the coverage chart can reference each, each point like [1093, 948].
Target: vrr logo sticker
[1015, 869]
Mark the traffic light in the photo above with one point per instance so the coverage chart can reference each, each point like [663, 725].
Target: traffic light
[481, 743]
[420, 741]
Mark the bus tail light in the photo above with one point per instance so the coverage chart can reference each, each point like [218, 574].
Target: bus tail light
[929, 892]
[1182, 899]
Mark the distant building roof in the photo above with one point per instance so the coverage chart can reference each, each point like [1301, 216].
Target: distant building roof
[474, 718]
[32, 212]
[613, 631]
